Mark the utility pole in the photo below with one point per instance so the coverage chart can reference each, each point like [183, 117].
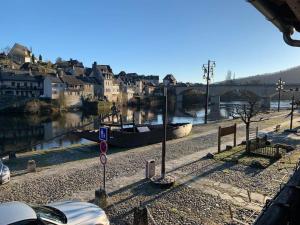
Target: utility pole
[208, 73]
[279, 87]
[165, 113]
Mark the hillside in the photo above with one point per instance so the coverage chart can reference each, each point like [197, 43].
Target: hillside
[291, 75]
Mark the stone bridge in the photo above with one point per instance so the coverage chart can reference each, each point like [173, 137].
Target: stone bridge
[264, 91]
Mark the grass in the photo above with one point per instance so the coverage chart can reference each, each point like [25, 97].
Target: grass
[239, 155]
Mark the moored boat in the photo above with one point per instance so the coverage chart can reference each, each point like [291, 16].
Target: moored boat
[139, 135]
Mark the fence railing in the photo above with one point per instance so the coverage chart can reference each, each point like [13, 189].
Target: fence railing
[268, 151]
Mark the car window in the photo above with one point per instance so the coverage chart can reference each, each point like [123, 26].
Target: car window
[49, 213]
[27, 222]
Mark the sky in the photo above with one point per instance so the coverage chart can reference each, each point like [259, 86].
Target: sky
[150, 36]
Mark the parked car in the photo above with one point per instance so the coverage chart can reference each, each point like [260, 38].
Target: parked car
[59, 213]
[4, 173]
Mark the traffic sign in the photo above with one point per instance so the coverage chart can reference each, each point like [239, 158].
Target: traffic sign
[103, 158]
[103, 147]
[103, 133]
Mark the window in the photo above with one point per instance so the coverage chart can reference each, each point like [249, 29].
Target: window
[13, 84]
[27, 222]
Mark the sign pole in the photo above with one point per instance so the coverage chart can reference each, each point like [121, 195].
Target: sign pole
[104, 176]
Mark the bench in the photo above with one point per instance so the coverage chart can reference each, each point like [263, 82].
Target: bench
[277, 128]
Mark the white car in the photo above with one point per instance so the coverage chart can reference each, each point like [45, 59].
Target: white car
[4, 173]
[59, 213]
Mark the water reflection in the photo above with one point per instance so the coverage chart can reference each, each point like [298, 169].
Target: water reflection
[34, 132]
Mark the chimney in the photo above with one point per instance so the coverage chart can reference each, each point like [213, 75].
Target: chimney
[94, 65]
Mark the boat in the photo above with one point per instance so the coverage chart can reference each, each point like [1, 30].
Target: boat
[138, 135]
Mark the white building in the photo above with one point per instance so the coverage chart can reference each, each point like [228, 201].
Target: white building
[53, 87]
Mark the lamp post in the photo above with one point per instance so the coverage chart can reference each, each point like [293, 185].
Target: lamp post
[293, 104]
[208, 70]
[292, 112]
[279, 87]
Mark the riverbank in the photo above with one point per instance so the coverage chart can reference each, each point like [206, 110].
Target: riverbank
[186, 203]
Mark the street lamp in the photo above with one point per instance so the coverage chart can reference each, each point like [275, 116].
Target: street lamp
[279, 87]
[208, 70]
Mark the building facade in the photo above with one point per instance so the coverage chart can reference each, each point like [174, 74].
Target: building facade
[24, 85]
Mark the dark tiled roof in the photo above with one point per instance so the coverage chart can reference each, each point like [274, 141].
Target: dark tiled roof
[71, 80]
[170, 77]
[6, 76]
[88, 80]
[54, 79]
[105, 68]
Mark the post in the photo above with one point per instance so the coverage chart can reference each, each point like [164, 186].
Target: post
[234, 136]
[219, 140]
[140, 216]
[207, 93]
[279, 93]
[292, 112]
[163, 158]
[104, 174]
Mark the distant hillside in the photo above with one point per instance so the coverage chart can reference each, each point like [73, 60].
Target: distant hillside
[289, 76]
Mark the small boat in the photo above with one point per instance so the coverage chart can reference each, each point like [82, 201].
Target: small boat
[139, 135]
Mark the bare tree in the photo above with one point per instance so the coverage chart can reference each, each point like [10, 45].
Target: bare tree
[249, 112]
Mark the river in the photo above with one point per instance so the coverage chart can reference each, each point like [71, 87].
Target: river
[29, 133]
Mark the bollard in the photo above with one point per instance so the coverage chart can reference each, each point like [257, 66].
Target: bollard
[140, 216]
[31, 166]
[150, 169]
[228, 147]
[101, 198]
[12, 155]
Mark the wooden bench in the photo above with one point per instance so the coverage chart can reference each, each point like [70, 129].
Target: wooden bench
[277, 128]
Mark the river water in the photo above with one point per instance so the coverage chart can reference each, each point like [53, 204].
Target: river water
[28, 133]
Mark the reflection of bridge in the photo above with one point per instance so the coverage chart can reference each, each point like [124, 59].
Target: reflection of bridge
[264, 91]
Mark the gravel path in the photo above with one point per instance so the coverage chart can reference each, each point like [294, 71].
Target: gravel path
[61, 181]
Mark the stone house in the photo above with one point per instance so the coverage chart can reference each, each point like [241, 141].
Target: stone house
[20, 54]
[23, 84]
[74, 90]
[169, 80]
[149, 89]
[109, 86]
[71, 67]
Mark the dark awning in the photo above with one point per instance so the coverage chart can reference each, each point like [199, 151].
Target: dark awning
[284, 14]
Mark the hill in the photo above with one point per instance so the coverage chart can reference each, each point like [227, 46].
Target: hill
[291, 75]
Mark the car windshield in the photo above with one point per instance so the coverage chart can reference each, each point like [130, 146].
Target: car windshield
[49, 213]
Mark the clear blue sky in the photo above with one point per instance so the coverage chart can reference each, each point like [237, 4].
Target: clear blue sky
[150, 36]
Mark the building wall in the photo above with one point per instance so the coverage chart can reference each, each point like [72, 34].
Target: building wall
[88, 90]
[53, 90]
[21, 88]
[72, 99]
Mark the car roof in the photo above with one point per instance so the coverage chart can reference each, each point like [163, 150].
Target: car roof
[12, 212]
